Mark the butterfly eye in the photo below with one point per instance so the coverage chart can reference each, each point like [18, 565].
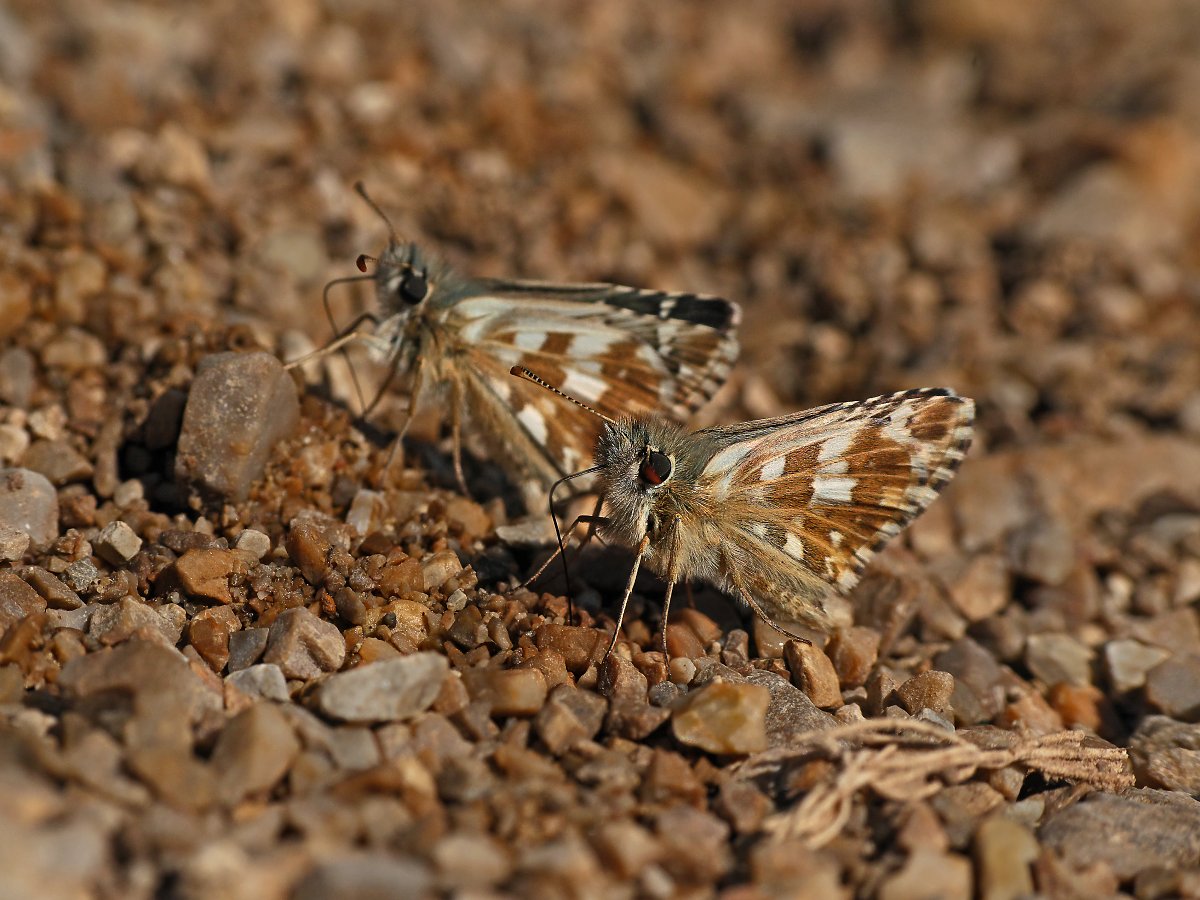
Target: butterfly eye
[414, 287]
[656, 469]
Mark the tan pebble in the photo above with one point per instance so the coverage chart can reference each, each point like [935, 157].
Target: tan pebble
[439, 569]
[723, 718]
[813, 672]
[853, 652]
[205, 573]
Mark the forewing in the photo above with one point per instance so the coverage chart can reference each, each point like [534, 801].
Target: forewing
[618, 350]
[651, 350]
[827, 488]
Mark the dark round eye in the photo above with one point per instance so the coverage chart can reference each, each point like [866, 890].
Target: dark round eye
[656, 469]
[413, 287]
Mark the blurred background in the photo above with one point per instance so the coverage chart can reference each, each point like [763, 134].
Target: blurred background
[1001, 198]
[998, 197]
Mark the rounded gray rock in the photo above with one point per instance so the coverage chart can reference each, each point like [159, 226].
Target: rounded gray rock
[387, 691]
[29, 503]
[240, 406]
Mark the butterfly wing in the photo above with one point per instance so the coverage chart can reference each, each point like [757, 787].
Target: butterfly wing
[819, 493]
[619, 350]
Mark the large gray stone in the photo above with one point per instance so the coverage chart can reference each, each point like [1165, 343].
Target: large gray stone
[240, 406]
[387, 691]
[29, 503]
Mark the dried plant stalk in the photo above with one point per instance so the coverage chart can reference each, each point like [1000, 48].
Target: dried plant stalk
[910, 760]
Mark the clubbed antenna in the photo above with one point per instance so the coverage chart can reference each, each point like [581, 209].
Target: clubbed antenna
[522, 372]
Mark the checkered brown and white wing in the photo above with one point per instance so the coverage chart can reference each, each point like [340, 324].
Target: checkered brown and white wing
[619, 350]
[820, 492]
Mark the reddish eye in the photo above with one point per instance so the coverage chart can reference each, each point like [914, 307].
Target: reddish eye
[656, 469]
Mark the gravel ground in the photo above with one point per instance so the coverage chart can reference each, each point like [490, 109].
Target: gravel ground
[242, 658]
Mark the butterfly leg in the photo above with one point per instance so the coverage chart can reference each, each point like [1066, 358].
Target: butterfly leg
[633, 573]
[753, 604]
[396, 451]
[338, 343]
[590, 520]
[666, 618]
[456, 404]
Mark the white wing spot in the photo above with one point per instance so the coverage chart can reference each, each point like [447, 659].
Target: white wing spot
[592, 343]
[529, 340]
[533, 422]
[582, 386]
[835, 538]
[773, 469]
[793, 547]
[835, 446]
[728, 459]
[832, 489]
[896, 429]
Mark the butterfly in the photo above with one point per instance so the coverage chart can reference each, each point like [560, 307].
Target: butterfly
[446, 336]
[778, 512]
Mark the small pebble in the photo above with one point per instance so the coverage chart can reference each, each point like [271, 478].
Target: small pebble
[253, 542]
[81, 575]
[29, 503]
[58, 461]
[246, 647]
[929, 690]
[387, 691]
[1173, 687]
[813, 672]
[1056, 658]
[568, 717]
[927, 873]
[509, 692]
[128, 493]
[723, 718]
[253, 752]
[57, 594]
[264, 681]
[205, 573]
[17, 600]
[13, 543]
[852, 652]
[117, 543]
[304, 646]
[1127, 662]
[438, 569]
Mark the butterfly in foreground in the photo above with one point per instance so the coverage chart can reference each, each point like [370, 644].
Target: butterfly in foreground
[446, 336]
[777, 512]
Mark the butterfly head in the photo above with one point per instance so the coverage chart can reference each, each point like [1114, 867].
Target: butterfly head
[403, 279]
[648, 472]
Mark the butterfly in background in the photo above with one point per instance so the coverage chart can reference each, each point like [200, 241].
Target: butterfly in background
[778, 512]
[621, 350]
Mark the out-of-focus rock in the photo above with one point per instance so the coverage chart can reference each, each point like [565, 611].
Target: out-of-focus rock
[239, 407]
[388, 691]
[29, 503]
[723, 718]
[304, 646]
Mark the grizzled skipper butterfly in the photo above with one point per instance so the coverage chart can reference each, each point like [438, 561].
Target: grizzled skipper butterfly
[778, 511]
[447, 336]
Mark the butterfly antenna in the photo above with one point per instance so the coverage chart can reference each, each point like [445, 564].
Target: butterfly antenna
[522, 372]
[361, 190]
